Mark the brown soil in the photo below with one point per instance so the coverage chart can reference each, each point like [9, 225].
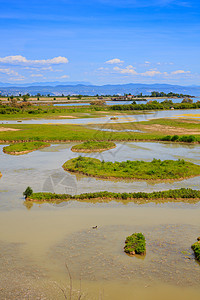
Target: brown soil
[169, 129]
[104, 199]
[68, 117]
[8, 129]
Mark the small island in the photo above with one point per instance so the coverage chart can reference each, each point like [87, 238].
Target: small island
[136, 170]
[196, 248]
[24, 148]
[0, 175]
[139, 197]
[135, 244]
[93, 147]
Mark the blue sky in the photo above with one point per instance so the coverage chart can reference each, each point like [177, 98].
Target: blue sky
[100, 41]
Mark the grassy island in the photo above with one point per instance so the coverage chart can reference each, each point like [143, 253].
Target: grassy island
[135, 244]
[138, 197]
[23, 148]
[93, 146]
[196, 248]
[154, 170]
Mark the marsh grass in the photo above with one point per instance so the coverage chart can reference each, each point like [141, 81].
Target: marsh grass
[93, 146]
[24, 147]
[161, 195]
[154, 170]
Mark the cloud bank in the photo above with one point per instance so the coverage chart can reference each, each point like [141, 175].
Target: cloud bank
[21, 60]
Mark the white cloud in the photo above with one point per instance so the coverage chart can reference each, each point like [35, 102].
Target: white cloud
[151, 73]
[64, 76]
[147, 62]
[21, 78]
[114, 61]
[21, 60]
[36, 75]
[180, 72]
[102, 68]
[48, 68]
[9, 72]
[128, 70]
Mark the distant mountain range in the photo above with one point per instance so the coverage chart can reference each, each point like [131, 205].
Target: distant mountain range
[74, 88]
[50, 83]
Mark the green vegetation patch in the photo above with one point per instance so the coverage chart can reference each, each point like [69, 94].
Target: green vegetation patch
[135, 244]
[196, 248]
[104, 195]
[22, 148]
[177, 138]
[66, 133]
[93, 146]
[154, 170]
[155, 105]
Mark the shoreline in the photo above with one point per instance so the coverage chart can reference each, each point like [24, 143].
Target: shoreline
[130, 178]
[176, 195]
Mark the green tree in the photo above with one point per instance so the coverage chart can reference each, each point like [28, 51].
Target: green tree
[25, 97]
[28, 192]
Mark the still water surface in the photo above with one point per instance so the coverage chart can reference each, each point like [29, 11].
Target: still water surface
[36, 242]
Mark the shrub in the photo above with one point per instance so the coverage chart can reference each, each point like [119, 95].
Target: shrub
[28, 192]
[196, 248]
[135, 244]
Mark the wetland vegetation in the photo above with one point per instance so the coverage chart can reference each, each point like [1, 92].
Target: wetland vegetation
[67, 133]
[135, 244]
[23, 148]
[93, 146]
[154, 170]
[176, 194]
[15, 110]
[196, 248]
[155, 105]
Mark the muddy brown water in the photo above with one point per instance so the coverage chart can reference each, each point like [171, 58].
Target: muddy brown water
[36, 243]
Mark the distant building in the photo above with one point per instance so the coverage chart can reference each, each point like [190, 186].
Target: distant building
[123, 98]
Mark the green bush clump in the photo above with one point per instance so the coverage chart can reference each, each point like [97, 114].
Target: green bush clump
[155, 105]
[28, 192]
[93, 146]
[183, 138]
[155, 170]
[135, 244]
[196, 248]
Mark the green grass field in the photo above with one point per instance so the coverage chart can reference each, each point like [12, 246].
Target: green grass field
[64, 133]
[78, 133]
